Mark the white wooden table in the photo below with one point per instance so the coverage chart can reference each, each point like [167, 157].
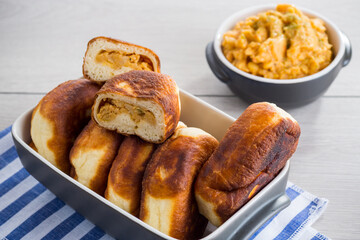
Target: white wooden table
[43, 43]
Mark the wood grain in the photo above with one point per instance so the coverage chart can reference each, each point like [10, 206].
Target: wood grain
[44, 43]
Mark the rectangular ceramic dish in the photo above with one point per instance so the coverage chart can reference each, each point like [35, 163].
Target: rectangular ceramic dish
[122, 225]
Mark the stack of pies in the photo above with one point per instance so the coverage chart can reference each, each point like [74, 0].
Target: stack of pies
[118, 132]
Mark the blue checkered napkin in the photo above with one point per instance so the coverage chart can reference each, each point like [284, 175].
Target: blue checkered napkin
[29, 211]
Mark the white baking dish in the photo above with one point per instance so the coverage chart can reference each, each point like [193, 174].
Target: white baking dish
[120, 224]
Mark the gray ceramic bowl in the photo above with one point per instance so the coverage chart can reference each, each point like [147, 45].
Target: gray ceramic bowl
[288, 92]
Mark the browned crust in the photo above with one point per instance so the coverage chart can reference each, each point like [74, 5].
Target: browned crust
[254, 149]
[32, 145]
[182, 158]
[68, 107]
[116, 41]
[152, 86]
[128, 169]
[92, 138]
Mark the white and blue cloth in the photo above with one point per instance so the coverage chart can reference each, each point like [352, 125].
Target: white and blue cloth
[29, 211]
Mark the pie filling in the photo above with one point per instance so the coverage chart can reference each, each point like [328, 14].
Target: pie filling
[110, 109]
[118, 59]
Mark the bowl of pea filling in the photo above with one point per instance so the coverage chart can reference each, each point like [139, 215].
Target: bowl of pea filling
[281, 54]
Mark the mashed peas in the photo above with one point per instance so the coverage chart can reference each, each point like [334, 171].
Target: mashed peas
[278, 44]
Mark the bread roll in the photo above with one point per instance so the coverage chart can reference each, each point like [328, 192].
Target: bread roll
[126, 174]
[92, 155]
[139, 103]
[168, 201]
[106, 57]
[59, 118]
[254, 149]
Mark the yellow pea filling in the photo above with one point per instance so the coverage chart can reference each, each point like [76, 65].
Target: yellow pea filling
[279, 44]
[119, 59]
[110, 108]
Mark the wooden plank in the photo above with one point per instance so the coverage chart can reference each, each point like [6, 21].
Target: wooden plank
[44, 43]
[13, 105]
[325, 164]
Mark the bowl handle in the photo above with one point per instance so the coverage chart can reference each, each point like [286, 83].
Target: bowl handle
[348, 50]
[214, 63]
